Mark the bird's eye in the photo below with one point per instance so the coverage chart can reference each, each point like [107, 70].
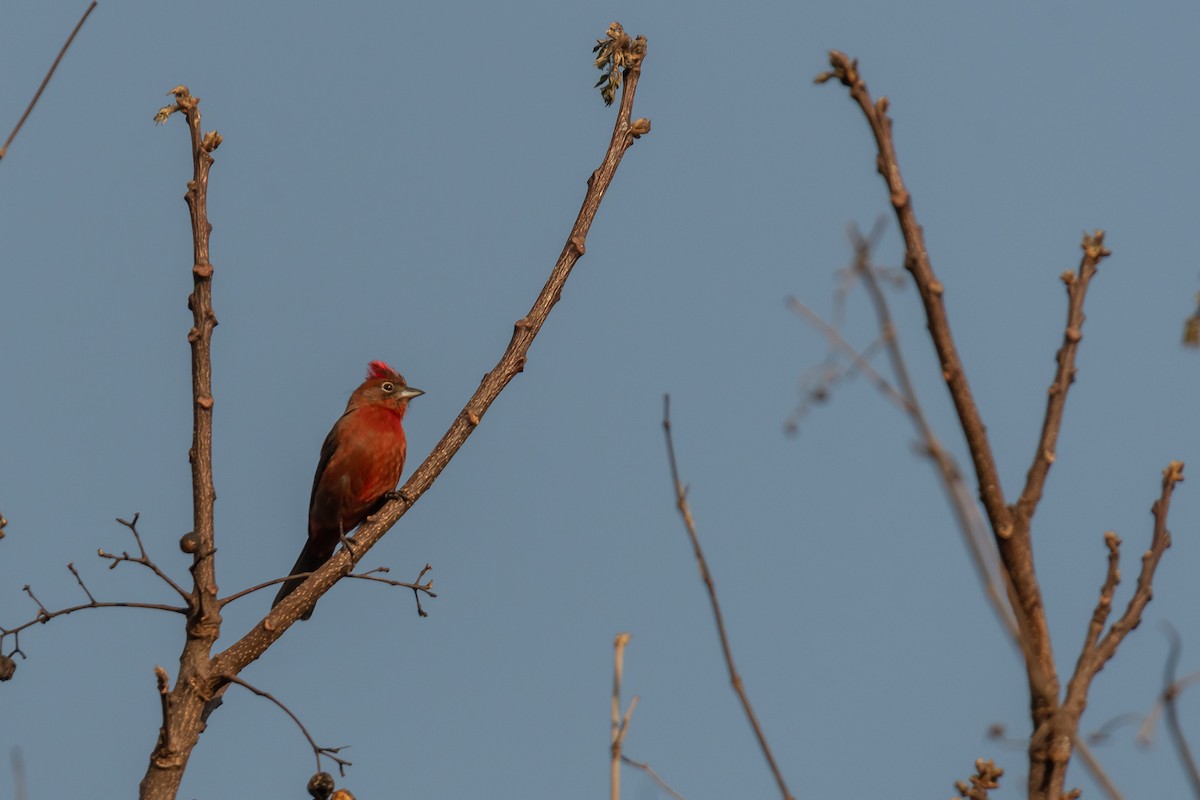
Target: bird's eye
[389, 387]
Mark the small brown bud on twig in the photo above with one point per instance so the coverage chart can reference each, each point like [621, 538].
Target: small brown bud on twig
[189, 542]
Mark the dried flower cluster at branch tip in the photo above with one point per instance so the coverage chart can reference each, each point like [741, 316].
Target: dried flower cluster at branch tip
[987, 777]
[619, 51]
[845, 69]
[183, 102]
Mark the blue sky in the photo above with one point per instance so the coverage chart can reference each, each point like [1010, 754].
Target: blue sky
[396, 181]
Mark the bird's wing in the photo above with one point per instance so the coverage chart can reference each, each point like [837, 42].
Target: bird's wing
[327, 451]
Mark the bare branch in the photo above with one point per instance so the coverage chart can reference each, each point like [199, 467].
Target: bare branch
[619, 725]
[423, 588]
[143, 558]
[735, 679]
[44, 614]
[1170, 703]
[1092, 765]
[195, 682]
[45, 81]
[1077, 284]
[1096, 653]
[930, 288]
[966, 513]
[328, 752]
[646, 768]
[252, 645]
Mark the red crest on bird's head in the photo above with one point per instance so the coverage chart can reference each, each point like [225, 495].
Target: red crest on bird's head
[380, 369]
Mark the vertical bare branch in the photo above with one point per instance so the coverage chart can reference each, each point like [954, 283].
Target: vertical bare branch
[619, 725]
[1016, 551]
[1055, 723]
[685, 511]
[928, 286]
[45, 82]
[1077, 284]
[183, 710]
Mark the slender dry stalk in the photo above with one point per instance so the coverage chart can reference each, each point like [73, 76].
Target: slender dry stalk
[649, 770]
[45, 82]
[685, 511]
[1172, 688]
[620, 725]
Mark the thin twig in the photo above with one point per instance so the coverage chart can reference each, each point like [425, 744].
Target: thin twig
[649, 770]
[1096, 653]
[1170, 697]
[861, 361]
[424, 588]
[44, 614]
[143, 558]
[617, 737]
[329, 752]
[904, 396]
[1077, 284]
[46, 80]
[735, 679]
[20, 785]
[1092, 765]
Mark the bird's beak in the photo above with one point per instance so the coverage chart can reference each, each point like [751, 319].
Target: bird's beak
[409, 392]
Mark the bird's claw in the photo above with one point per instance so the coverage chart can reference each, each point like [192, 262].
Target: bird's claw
[348, 543]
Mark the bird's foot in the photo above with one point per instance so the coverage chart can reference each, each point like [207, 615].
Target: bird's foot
[396, 494]
[348, 543]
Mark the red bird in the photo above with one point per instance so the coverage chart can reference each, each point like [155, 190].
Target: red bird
[361, 461]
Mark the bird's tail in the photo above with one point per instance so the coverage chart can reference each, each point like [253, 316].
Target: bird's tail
[311, 558]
